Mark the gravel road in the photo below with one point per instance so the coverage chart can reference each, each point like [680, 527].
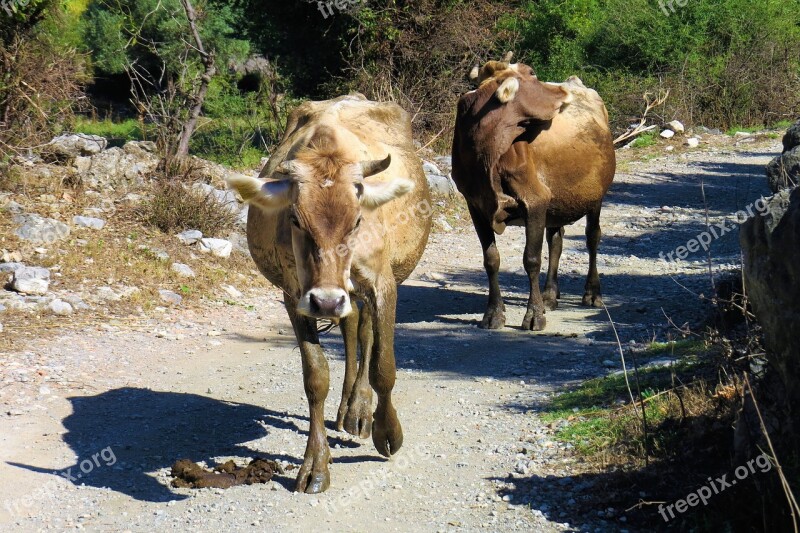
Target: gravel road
[92, 420]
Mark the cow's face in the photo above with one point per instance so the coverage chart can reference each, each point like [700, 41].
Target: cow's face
[324, 199]
[520, 96]
[524, 96]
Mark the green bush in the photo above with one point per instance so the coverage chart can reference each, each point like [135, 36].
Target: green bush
[725, 61]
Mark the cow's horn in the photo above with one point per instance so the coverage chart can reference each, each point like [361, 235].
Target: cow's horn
[473, 74]
[508, 57]
[374, 166]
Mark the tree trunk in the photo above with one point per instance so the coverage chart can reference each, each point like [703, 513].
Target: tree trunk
[205, 79]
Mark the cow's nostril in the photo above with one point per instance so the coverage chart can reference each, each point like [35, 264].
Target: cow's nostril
[315, 304]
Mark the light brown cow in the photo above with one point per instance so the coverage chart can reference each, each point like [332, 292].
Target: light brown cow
[534, 154]
[327, 232]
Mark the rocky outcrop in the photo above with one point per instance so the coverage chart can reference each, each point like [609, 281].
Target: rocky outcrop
[68, 147]
[771, 246]
[784, 170]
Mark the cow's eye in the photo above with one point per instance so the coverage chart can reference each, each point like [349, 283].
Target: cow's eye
[358, 222]
[294, 220]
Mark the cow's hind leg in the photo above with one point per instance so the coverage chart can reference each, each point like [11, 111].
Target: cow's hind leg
[591, 296]
[495, 315]
[555, 244]
[358, 414]
[387, 434]
[313, 476]
[535, 215]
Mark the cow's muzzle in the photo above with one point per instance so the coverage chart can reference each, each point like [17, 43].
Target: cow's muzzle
[328, 303]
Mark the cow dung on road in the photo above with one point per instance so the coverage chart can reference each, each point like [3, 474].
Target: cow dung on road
[188, 474]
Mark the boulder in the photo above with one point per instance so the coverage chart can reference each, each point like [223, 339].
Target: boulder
[676, 126]
[226, 198]
[60, 308]
[68, 147]
[182, 270]
[190, 236]
[784, 170]
[169, 297]
[31, 280]
[6, 268]
[39, 230]
[692, 142]
[127, 166]
[667, 134]
[218, 247]
[441, 184]
[771, 247]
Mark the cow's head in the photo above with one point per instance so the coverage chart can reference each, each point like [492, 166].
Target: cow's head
[323, 196]
[513, 91]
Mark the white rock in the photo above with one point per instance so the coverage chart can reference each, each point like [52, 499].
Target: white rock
[182, 270]
[430, 168]
[31, 280]
[218, 247]
[60, 307]
[170, 297]
[693, 142]
[74, 145]
[676, 126]
[669, 148]
[190, 236]
[232, 291]
[88, 222]
[667, 134]
[1, 328]
[741, 134]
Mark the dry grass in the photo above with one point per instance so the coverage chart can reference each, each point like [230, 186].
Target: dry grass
[174, 207]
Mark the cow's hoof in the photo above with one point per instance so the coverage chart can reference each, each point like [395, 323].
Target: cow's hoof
[387, 434]
[358, 418]
[533, 322]
[550, 301]
[493, 319]
[592, 300]
[314, 476]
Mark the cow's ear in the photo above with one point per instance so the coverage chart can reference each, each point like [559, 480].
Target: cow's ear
[373, 195]
[507, 90]
[269, 196]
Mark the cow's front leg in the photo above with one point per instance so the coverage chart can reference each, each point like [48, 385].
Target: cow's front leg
[357, 418]
[535, 215]
[495, 315]
[313, 476]
[349, 327]
[387, 434]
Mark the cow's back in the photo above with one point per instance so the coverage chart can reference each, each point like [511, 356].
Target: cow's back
[575, 156]
[371, 130]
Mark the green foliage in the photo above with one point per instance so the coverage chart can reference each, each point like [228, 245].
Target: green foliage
[726, 61]
[146, 32]
[645, 140]
[116, 132]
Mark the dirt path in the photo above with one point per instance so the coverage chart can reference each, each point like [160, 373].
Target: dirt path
[118, 403]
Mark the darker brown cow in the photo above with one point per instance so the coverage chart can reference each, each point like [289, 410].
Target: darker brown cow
[327, 232]
[534, 154]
